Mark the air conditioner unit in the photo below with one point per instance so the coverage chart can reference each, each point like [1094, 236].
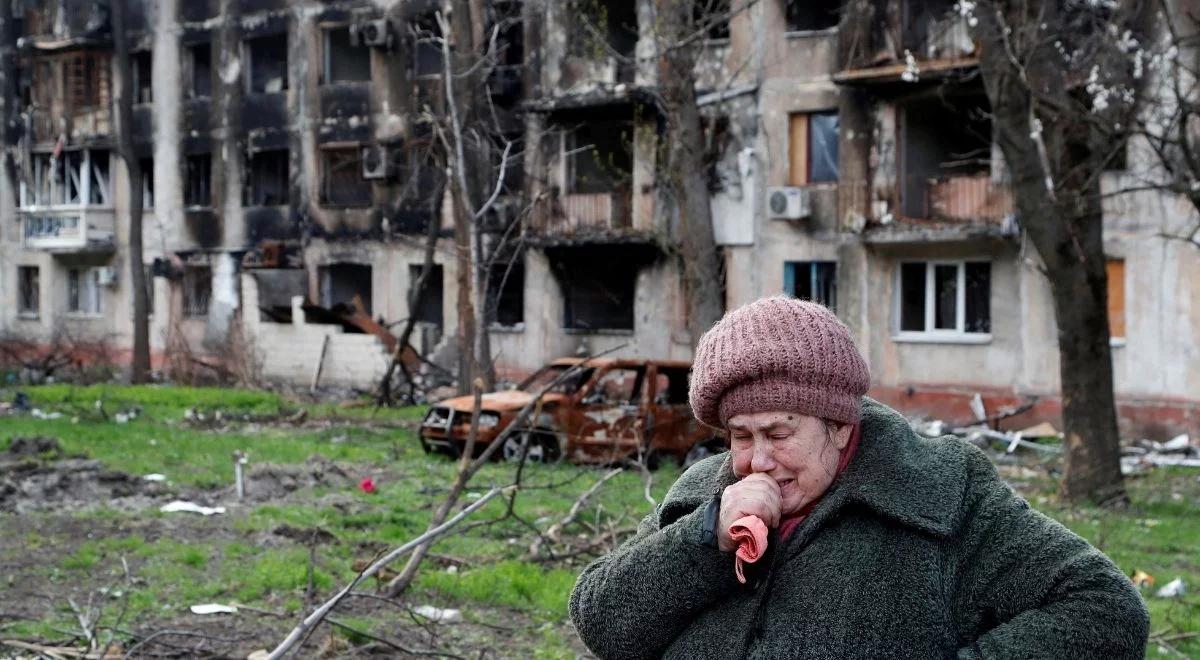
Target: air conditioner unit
[106, 276]
[376, 162]
[788, 203]
[374, 32]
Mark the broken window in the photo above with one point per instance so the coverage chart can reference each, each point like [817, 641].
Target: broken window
[599, 156]
[30, 292]
[197, 189]
[147, 165]
[811, 15]
[429, 309]
[268, 63]
[341, 178]
[140, 63]
[345, 62]
[84, 292]
[812, 280]
[616, 387]
[506, 295]
[266, 178]
[945, 297]
[812, 148]
[73, 178]
[342, 283]
[199, 57]
[427, 49]
[671, 387]
[197, 291]
[85, 78]
[945, 139]
[598, 295]
[712, 16]
[1116, 297]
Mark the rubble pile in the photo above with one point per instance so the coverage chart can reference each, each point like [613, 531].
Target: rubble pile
[35, 475]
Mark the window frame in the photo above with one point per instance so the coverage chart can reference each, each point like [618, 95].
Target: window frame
[807, 117]
[792, 270]
[79, 280]
[327, 57]
[326, 166]
[23, 274]
[932, 334]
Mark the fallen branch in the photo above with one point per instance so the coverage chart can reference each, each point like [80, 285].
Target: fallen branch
[321, 612]
[556, 529]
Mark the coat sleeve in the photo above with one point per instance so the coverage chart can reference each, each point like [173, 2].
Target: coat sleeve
[1028, 587]
[635, 601]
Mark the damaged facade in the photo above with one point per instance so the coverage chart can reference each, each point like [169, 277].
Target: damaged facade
[289, 175]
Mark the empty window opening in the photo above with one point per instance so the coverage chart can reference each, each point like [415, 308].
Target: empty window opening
[85, 80]
[268, 64]
[341, 283]
[341, 178]
[599, 156]
[615, 23]
[1116, 297]
[197, 291]
[147, 165]
[812, 280]
[199, 60]
[597, 295]
[140, 63]
[429, 307]
[427, 48]
[72, 178]
[812, 148]
[616, 387]
[197, 190]
[943, 139]
[30, 293]
[506, 295]
[267, 178]
[345, 62]
[812, 15]
[945, 297]
[84, 291]
[712, 16]
[671, 387]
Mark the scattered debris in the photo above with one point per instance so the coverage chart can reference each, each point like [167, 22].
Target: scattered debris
[1173, 589]
[1142, 455]
[36, 475]
[438, 615]
[38, 413]
[239, 473]
[154, 477]
[213, 608]
[190, 507]
[267, 481]
[1043, 430]
[44, 446]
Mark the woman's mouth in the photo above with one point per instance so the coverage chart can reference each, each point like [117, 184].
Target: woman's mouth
[784, 483]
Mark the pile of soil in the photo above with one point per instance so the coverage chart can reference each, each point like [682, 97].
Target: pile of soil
[269, 481]
[34, 476]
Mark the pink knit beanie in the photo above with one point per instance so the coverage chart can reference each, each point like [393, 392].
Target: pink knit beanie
[778, 353]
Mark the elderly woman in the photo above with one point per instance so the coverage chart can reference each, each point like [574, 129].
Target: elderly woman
[879, 543]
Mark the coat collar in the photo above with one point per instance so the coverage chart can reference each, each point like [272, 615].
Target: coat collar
[896, 473]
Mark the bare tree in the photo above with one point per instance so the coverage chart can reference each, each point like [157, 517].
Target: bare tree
[123, 107]
[1063, 97]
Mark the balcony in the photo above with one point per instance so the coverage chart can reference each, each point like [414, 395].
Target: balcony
[967, 198]
[83, 125]
[68, 229]
[934, 35]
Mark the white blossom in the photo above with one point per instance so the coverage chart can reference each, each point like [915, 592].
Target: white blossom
[911, 72]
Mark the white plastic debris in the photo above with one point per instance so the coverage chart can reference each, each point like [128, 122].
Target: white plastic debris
[977, 407]
[38, 413]
[121, 418]
[451, 569]
[1173, 589]
[1180, 442]
[213, 608]
[155, 477]
[190, 507]
[438, 615]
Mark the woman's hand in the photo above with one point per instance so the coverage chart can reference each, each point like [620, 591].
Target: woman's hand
[756, 495]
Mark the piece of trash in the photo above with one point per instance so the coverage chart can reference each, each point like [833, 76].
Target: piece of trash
[977, 408]
[1043, 430]
[1173, 589]
[190, 507]
[38, 413]
[474, 496]
[367, 485]
[1141, 579]
[155, 477]
[261, 654]
[1180, 442]
[338, 439]
[438, 615]
[451, 569]
[121, 418]
[213, 608]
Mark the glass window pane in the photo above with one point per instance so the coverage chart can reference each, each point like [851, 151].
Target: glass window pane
[945, 287]
[979, 293]
[912, 297]
[823, 147]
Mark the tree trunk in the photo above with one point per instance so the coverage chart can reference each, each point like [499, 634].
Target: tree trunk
[1056, 189]
[123, 102]
[687, 172]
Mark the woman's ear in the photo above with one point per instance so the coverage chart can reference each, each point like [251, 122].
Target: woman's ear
[839, 432]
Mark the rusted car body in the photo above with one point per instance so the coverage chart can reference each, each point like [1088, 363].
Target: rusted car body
[599, 411]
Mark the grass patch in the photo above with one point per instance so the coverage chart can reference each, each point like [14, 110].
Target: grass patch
[521, 585]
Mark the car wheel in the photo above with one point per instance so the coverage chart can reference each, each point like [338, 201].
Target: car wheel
[543, 446]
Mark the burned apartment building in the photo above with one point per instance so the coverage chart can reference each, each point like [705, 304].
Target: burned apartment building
[290, 181]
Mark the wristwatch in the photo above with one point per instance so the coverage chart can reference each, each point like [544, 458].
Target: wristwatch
[712, 515]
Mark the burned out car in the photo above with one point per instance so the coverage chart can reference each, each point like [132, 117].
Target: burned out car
[595, 411]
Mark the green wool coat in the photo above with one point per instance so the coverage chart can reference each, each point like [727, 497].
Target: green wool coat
[918, 550]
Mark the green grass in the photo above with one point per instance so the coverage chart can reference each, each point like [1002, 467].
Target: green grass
[1160, 534]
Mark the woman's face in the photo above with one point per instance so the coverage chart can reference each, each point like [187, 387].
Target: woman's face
[798, 451]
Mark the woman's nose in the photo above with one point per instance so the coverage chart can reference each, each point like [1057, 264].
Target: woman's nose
[762, 460]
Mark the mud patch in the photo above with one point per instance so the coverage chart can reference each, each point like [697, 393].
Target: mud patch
[269, 481]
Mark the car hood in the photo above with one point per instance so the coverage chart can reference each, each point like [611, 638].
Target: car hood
[508, 400]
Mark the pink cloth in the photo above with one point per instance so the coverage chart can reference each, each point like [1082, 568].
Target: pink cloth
[750, 534]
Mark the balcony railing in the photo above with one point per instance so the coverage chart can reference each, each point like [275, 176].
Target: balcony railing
[594, 212]
[46, 126]
[968, 198]
[66, 229]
